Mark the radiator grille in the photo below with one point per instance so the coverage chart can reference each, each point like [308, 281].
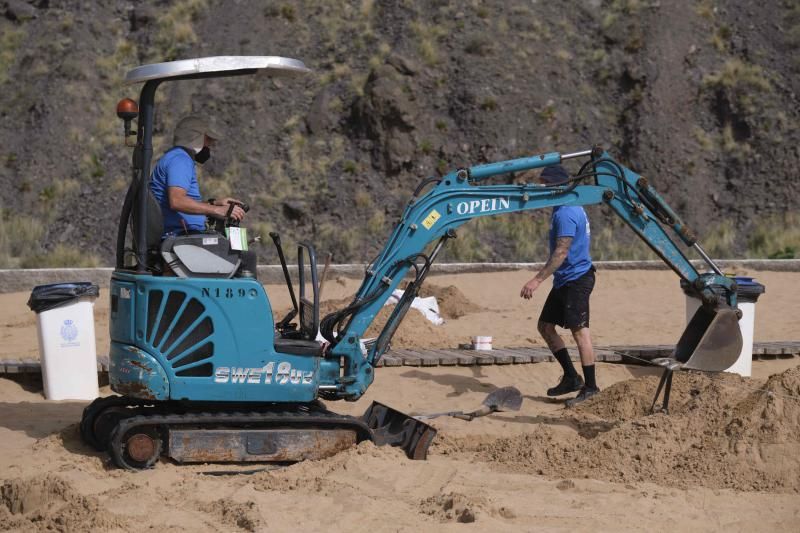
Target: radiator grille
[180, 331]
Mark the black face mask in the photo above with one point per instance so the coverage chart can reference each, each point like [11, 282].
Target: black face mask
[203, 155]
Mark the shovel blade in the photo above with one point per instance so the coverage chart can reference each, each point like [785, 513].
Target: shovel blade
[504, 399]
[712, 341]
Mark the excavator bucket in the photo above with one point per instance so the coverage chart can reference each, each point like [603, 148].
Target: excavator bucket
[712, 341]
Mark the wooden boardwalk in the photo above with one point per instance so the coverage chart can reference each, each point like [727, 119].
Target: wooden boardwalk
[497, 356]
[608, 354]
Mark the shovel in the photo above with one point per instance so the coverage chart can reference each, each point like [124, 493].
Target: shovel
[499, 400]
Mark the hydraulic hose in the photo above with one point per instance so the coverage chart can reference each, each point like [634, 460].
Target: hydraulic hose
[333, 324]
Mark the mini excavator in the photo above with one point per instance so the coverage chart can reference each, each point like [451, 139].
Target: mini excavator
[202, 372]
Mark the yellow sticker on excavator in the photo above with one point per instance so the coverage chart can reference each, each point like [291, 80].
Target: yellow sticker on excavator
[431, 219]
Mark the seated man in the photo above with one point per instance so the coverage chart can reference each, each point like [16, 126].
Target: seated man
[174, 180]
[174, 184]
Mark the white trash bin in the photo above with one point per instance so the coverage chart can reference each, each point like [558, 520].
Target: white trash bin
[65, 323]
[747, 293]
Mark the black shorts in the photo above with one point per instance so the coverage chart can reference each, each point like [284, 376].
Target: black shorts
[568, 305]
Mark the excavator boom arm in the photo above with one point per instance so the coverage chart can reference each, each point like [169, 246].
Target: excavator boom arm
[458, 198]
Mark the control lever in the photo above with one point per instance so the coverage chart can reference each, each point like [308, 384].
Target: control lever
[231, 205]
[284, 324]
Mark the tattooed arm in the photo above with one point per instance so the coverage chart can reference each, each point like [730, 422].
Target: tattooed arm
[553, 262]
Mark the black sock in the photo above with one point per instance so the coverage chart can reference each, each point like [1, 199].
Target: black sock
[562, 356]
[588, 376]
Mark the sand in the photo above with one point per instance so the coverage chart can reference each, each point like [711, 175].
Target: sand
[628, 307]
[727, 457]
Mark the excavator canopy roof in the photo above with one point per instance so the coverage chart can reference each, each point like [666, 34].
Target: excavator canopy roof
[219, 66]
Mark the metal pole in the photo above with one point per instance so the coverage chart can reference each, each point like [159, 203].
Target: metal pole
[707, 259]
[146, 113]
[576, 154]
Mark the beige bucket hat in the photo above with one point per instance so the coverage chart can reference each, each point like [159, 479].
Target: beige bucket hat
[190, 130]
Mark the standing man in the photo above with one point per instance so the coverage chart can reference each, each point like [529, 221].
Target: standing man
[174, 180]
[567, 305]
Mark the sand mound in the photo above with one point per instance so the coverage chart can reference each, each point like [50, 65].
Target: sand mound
[317, 477]
[632, 399]
[48, 503]
[415, 330]
[770, 415]
[718, 434]
[452, 302]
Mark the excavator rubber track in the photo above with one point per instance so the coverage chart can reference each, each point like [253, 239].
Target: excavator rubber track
[136, 433]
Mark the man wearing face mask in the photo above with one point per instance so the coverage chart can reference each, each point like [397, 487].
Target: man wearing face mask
[174, 180]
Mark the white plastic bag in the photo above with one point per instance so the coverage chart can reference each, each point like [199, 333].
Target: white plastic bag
[429, 307]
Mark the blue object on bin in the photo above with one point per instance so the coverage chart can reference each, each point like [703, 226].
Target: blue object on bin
[46, 297]
[748, 289]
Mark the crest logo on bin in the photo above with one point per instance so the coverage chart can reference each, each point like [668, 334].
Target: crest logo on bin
[68, 331]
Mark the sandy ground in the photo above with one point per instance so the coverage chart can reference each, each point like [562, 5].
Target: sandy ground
[726, 458]
[628, 307]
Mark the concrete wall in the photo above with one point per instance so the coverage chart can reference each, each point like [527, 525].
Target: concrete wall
[25, 279]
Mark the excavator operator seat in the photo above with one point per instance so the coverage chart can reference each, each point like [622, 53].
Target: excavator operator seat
[198, 255]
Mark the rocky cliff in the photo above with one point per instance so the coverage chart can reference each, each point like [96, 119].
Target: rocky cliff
[699, 96]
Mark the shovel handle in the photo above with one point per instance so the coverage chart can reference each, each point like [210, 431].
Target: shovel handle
[436, 415]
[483, 411]
[461, 415]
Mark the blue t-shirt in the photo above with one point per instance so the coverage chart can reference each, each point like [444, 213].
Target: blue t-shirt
[176, 169]
[571, 221]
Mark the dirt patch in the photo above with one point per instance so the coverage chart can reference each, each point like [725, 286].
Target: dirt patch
[48, 503]
[243, 516]
[452, 507]
[720, 433]
[463, 508]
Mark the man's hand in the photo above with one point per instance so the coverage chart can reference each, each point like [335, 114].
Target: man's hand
[553, 262]
[237, 213]
[221, 211]
[226, 201]
[528, 288]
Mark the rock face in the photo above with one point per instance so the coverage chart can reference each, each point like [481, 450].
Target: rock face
[386, 115]
[701, 98]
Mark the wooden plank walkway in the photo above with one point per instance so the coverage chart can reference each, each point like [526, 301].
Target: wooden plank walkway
[497, 356]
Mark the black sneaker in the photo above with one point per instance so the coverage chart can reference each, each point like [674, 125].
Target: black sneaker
[566, 385]
[584, 394]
